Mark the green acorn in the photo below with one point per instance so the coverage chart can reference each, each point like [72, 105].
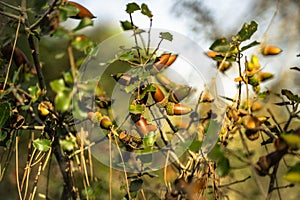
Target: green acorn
[179, 93]
[165, 81]
[105, 122]
[177, 109]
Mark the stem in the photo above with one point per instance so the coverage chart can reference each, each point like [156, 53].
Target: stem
[34, 53]
[135, 38]
[12, 54]
[149, 35]
[272, 181]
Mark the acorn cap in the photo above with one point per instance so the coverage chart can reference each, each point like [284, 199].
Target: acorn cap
[177, 109]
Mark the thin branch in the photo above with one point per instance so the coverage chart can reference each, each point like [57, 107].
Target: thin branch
[12, 54]
[10, 6]
[12, 16]
[17, 167]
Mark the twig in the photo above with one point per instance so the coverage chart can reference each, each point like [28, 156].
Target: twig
[12, 54]
[17, 167]
[272, 181]
[12, 16]
[32, 46]
[124, 167]
[235, 182]
[10, 6]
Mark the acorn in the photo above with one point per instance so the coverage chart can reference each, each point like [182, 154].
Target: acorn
[171, 59]
[252, 122]
[165, 81]
[179, 93]
[212, 54]
[105, 122]
[271, 50]
[161, 61]
[223, 66]
[165, 60]
[83, 12]
[158, 95]
[263, 76]
[177, 109]
[143, 127]
[19, 57]
[45, 107]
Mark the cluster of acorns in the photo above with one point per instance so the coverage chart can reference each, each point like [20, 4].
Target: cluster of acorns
[170, 102]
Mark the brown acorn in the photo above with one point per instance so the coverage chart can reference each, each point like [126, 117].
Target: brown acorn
[165, 60]
[271, 50]
[158, 95]
[252, 124]
[143, 127]
[161, 61]
[212, 54]
[179, 93]
[177, 109]
[19, 57]
[171, 59]
[83, 12]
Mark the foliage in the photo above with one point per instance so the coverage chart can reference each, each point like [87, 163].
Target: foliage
[26, 108]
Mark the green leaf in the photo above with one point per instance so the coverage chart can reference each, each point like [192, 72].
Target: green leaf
[221, 46]
[252, 44]
[126, 25]
[67, 145]
[246, 32]
[135, 185]
[217, 155]
[63, 100]
[42, 144]
[82, 43]
[195, 146]
[131, 7]
[263, 95]
[68, 77]
[223, 166]
[146, 11]
[293, 174]
[84, 22]
[5, 112]
[66, 11]
[34, 91]
[290, 95]
[58, 85]
[291, 139]
[166, 36]
[136, 109]
[147, 90]
[149, 139]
